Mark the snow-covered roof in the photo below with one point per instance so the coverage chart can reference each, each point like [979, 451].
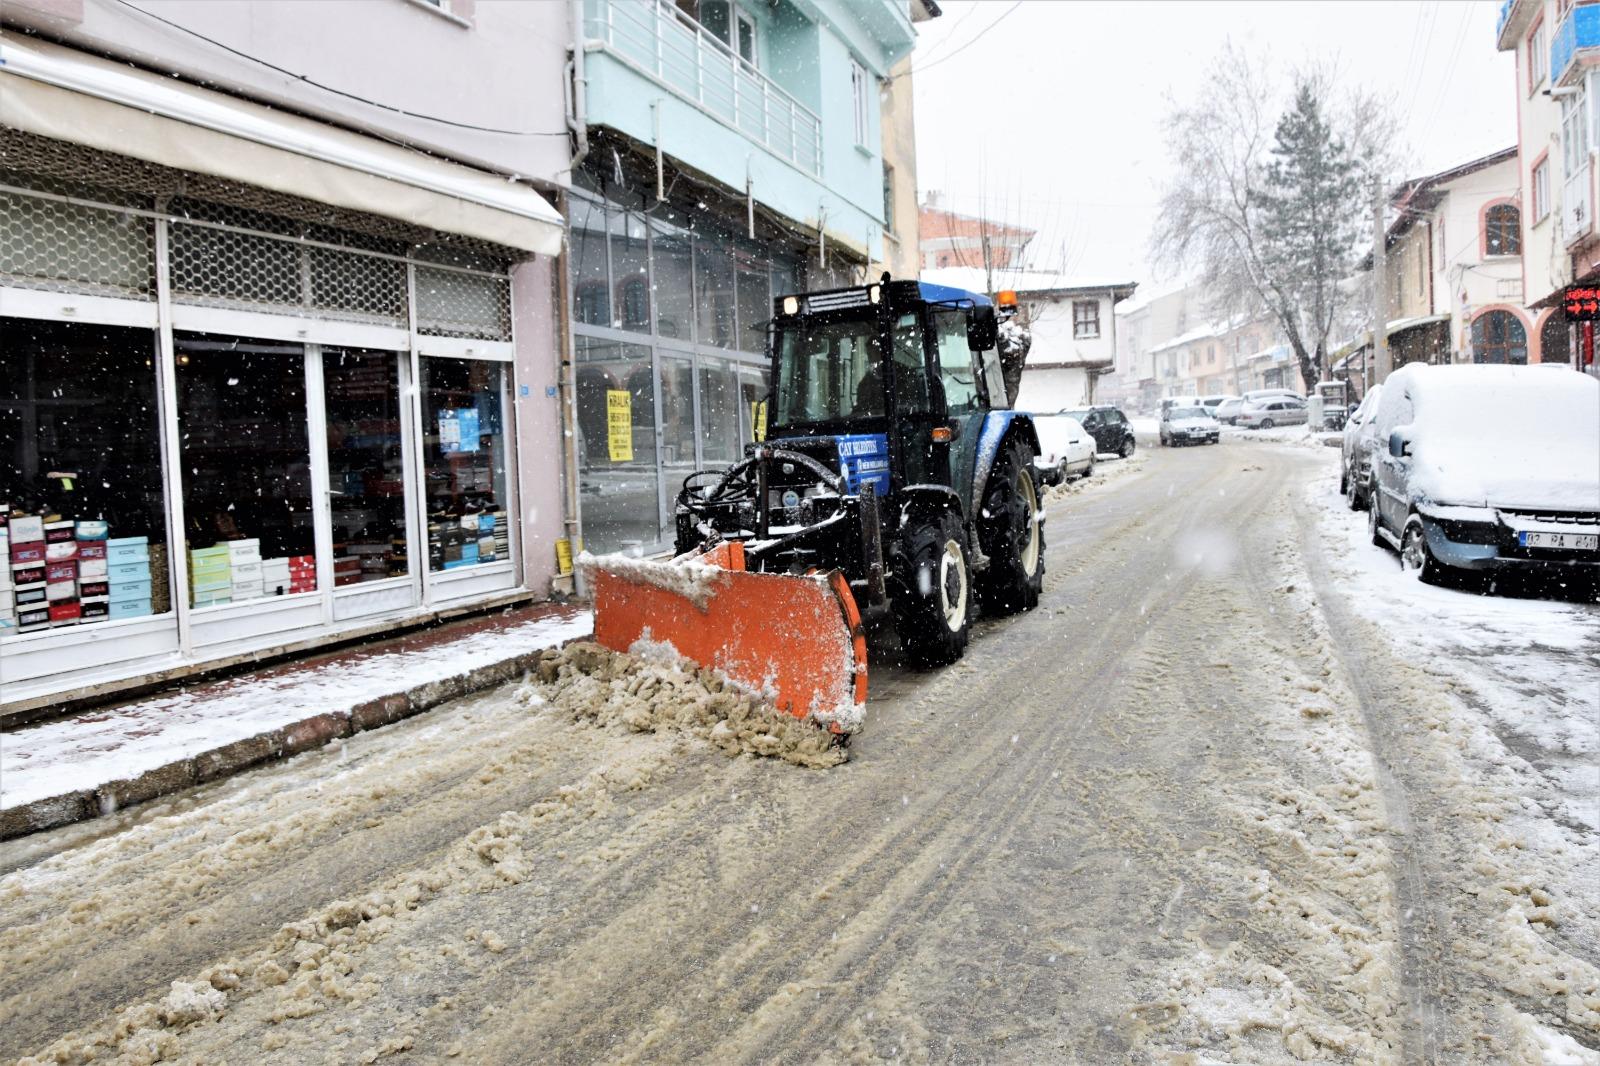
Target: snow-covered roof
[1199, 333]
[976, 279]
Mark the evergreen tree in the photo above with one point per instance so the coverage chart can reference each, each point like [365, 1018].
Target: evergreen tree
[1311, 207]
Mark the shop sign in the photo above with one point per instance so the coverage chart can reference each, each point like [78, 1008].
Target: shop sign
[1581, 303]
[619, 425]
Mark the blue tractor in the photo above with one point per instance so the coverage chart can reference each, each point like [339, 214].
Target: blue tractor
[890, 455]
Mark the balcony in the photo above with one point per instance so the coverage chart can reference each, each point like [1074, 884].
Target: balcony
[657, 39]
[1576, 45]
[1515, 18]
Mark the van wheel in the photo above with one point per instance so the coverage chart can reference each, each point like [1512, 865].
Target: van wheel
[1374, 518]
[1352, 493]
[934, 614]
[1012, 535]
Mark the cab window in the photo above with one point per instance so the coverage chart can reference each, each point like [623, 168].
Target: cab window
[956, 370]
[910, 372]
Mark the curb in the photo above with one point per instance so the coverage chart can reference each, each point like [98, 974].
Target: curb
[308, 734]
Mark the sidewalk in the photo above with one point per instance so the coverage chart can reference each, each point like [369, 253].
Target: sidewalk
[103, 759]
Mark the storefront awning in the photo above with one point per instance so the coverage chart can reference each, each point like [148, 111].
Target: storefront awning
[65, 94]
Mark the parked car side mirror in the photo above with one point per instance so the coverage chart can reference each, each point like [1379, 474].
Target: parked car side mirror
[1398, 444]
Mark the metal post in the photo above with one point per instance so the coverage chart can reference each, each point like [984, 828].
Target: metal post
[1380, 286]
[171, 449]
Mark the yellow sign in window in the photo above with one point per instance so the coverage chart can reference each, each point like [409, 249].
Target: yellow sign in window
[758, 419]
[619, 425]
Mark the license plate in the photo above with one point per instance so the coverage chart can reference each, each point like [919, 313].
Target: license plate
[1576, 541]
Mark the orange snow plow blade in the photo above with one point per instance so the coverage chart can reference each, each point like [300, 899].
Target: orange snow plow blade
[797, 638]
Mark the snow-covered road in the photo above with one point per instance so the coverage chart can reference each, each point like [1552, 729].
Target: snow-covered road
[1207, 804]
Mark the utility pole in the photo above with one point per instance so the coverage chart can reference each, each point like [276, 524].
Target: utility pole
[1378, 368]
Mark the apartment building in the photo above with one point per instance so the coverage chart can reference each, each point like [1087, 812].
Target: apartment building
[1176, 344]
[951, 240]
[1557, 47]
[1454, 270]
[731, 151]
[278, 336]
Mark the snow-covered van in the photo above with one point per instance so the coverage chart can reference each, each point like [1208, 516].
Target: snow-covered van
[1488, 467]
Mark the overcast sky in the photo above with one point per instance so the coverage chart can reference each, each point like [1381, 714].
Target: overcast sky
[1052, 113]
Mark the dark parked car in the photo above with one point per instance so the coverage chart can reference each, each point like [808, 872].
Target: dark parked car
[1108, 427]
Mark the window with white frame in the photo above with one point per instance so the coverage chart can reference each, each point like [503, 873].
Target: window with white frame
[1538, 57]
[1541, 189]
[1085, 319]
[745, 43]
[1574, 135]
[859, 99]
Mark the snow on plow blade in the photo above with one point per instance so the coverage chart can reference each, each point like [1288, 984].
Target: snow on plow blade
[797, 638]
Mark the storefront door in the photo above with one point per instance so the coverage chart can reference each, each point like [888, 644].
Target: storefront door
[369, 470]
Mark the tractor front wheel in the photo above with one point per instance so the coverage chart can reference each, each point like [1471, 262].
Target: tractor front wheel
[1011, 531]
[934, 612]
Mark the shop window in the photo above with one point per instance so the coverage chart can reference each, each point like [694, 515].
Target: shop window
[630, 270]
[673, 281]
[246, 469]
[464, 462]
[617, 472]
[715, 299]
[677, 419]
[82, 514]
[590, 288]
[366, 465]
[719, 411]
[755, 302]
[1498, 337]
[1554, 343]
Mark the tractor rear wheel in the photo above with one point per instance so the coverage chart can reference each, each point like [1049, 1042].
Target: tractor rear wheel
[1012, 534]
[934, 612]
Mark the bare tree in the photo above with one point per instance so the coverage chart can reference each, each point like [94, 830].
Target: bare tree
[1250, 207]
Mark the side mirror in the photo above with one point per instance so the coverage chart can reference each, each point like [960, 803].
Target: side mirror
[1398, 444]
[983, 329]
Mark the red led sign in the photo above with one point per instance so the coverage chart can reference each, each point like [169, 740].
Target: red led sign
[1582, 303]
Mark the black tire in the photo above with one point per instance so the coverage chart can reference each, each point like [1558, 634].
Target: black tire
[1266, 423]
[1354, 498]
[1415, 555]
[933, 611]
[1011, 534]
[1088, 471]
[1127, 447]
[1374, 519]
[1344, 480]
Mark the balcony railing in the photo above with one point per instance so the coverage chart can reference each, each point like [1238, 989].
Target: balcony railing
[1578, 33]
[659, 39]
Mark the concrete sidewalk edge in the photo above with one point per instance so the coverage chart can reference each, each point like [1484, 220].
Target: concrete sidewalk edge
[316, 731]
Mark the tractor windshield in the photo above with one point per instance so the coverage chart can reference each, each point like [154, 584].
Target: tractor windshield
[831, 371]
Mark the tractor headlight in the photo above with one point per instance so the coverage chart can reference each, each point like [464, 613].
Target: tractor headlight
[791, 305]
[874, 293]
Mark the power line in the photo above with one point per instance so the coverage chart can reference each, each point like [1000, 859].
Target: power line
[329, 88]
[975, 39]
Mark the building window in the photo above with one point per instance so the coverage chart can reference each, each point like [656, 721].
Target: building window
[1574, 135]
[1541, 189]
[464, 462]
[859, 100]
[1498, 337]
[747, 40]
[1502, 230]
[1085, 319]
[1538, 57]
[888, 198]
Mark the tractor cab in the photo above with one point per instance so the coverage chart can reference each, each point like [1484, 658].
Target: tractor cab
[888, 382]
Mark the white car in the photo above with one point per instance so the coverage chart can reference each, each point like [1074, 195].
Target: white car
[1486, 468]
[1228, 410]
[1272, 411]
[1189, 425]
[1065, 448]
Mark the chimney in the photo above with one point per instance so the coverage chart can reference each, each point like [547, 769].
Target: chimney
[932, 199]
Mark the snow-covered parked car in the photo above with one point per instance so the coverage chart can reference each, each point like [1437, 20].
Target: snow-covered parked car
[1227, 412]
[1065, 448]
[1188, 425]
[1272, 411]
[1355, 449]
[1488, 468]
